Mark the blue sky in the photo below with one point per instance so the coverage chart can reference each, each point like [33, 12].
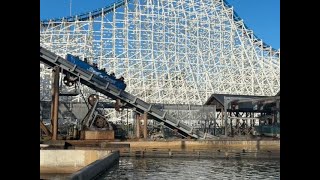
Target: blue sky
[262, 16]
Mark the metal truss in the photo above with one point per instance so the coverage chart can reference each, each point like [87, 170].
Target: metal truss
[169, 51]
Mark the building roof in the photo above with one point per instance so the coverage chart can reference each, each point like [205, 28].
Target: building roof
[219, 98]
[245, 102]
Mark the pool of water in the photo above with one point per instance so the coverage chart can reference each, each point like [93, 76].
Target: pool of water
[179, 168]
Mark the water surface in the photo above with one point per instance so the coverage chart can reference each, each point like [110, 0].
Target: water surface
[179, 168]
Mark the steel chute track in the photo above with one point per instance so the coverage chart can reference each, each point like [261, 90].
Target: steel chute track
[103, 86]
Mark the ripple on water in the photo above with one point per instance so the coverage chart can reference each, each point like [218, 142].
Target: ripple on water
[178, 168]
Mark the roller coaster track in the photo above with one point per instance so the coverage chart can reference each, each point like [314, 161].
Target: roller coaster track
[109, 8]
[103, 86]
[85, 16]
[236, 18]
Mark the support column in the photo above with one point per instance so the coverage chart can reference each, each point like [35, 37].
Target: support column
[145, 122]
[214, 124]
[222, 119]
[128, 123]
[278, 110]
[226, 106]
[205, 123]
[55, 102]
[138, 126]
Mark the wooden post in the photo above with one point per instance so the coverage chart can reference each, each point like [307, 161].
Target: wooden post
[45, 129]
[55, 102]
[145, 121]
[138, 126]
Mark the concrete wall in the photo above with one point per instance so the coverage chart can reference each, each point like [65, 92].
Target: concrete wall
[92, 135]
[253, 145]
[68, 161]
